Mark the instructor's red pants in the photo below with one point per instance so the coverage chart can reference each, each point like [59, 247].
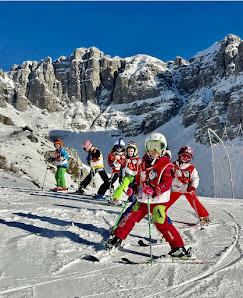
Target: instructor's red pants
[192, 199]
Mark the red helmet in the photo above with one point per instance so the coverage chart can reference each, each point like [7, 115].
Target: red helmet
[58, 141]
[87, 145]
[187, 151]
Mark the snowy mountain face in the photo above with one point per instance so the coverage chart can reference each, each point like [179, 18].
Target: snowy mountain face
[136, 94]
[75, 97]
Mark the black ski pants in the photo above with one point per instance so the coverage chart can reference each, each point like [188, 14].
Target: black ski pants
[103, 188]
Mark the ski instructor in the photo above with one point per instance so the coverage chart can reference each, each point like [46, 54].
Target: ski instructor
[154, 181]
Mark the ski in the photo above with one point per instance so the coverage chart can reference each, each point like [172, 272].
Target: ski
[101, 255]
[155, 242]
[196, 226]
[97, 257]
[167, 259]
[119, 204]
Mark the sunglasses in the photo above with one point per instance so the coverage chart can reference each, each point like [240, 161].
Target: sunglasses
[155, 145]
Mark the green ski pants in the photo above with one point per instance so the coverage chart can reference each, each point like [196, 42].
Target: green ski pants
[60, 179]
[122, 187]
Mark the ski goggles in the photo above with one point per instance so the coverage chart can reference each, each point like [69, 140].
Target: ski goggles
[118, 147]
[155, 145]
[185, 156]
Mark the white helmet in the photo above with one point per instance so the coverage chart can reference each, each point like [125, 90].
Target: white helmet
[120, 142]
[156, 137]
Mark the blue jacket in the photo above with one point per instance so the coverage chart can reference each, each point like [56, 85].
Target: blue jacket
[61, 157]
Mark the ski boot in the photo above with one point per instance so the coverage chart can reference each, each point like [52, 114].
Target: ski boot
[114, 202]
[101, 197]
[80, 191]
[204, 220]
[180, 253]
[113, 243]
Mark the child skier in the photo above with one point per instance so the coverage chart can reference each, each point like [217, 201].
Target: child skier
[154, 180]
[129, 168]
[186, 181]
[115, 159]
[95, 160]
[61, 161]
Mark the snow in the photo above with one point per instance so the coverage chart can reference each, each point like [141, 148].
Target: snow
[139, 64]
[208, 54]
[45, 237]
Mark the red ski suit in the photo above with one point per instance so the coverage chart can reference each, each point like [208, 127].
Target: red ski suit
[115, 161]
[186, 181]
[159, 177]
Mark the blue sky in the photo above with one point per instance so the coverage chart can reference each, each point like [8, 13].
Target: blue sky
[162, 29]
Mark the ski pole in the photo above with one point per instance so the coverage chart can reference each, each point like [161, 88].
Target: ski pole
[45, 178]
[112, 175]
[92, 176]
[115, 225]
[79, 176]
[195, 207]
[150, 237]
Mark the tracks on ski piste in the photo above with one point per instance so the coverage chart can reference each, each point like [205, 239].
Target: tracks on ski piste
[97, 272]
[51, 279]
[216, 267]
[222, 263]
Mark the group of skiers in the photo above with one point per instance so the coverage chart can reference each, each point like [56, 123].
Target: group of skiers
[149, 179]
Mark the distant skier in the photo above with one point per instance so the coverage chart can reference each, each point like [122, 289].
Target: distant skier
[154, 181]
[186, 181]
[115, 159]
[130, 169]
[95, 160]
[61, 161]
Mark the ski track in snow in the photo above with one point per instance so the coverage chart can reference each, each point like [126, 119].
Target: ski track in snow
[38, 215]
[92, 273]
[213, 269]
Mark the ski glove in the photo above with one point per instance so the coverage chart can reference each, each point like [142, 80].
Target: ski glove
[129, 192]
[148, 190]
[190, 188]
[158, 191]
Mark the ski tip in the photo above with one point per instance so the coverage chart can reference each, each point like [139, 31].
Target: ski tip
[141, 243]
[91, 258]
[127, 261]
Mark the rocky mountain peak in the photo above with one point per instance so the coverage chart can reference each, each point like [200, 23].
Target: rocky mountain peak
[136, 94]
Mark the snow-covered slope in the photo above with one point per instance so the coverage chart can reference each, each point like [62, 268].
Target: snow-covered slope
[28, 157]
[45, 237]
